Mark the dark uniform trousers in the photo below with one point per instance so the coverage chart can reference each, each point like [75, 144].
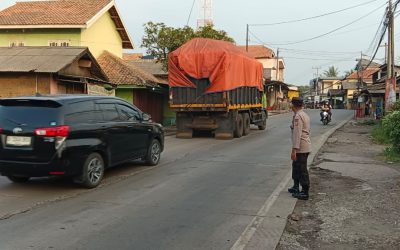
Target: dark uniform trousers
[300, 171]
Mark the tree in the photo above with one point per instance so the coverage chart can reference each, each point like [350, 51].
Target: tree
[331, 72]
[160, 39]
[304, 90]
[348, 72]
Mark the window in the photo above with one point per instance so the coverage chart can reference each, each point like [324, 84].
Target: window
[110, 113]
[127, 113]
[82, 112]
[17, 44]
[59, 43]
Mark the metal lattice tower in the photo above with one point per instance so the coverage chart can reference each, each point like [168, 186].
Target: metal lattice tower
[205, 17]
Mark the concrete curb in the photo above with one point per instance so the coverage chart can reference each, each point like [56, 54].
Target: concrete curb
[267, 227]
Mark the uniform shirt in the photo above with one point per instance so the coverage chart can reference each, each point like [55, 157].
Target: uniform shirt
[301, 132]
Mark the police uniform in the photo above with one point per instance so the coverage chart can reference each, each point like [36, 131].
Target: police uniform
[302, 144]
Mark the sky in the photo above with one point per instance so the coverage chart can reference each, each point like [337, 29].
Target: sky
[340, 49]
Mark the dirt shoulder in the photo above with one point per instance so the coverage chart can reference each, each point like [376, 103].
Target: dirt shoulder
[354, 197]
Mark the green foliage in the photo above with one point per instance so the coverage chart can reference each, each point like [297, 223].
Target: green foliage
[304, 90]
[331, 72]
[391, 127]
[392, 154]
[379, 135]
[348, 72]
[396, 106]
[160, 39]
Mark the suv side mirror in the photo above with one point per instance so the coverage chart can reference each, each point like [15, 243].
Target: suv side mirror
[146, 117]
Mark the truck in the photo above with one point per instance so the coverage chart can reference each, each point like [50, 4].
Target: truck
[216, 86]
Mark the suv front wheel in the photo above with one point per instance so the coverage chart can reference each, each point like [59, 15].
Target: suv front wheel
[153, 153]
[92, 172]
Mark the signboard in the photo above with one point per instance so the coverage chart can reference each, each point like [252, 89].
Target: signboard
[317, 98]
[93, 89]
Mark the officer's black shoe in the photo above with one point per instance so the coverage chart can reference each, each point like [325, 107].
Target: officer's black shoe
[301, 195]
[294, 190]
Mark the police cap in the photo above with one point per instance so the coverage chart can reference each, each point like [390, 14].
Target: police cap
[297, 101]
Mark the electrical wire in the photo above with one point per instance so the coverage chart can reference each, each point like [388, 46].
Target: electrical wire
[330, 32]
[190, 14]
[314, 17]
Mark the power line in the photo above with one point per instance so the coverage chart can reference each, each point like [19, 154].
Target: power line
[321, 51]
[314, 17]
[332, 31]
[190, 14]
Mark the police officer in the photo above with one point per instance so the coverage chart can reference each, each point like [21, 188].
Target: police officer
[301, 148]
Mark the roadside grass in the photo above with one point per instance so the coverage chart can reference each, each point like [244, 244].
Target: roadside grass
[380, 137]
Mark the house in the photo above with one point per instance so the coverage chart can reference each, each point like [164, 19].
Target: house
[50, 70]
[135, 85]
[350, 89]
[364, 76]
[274, 67]
[375, 92]
[320, 87]
[277, 95]
[156, 69]
[293, 92]
[95, 24]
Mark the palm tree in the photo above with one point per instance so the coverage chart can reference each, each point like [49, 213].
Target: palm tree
[331, 72]
[348, 72]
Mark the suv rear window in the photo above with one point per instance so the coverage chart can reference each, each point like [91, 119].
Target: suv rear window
[34, 113]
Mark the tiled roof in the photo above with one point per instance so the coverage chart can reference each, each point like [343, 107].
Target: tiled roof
[366, 73]
[64, 12]
[46, 59]
[259, 51]
[121, 72]
[132, 56]
[150, 66]
[61, 14]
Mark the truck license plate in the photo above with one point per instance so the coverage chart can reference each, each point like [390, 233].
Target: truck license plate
[19, 141]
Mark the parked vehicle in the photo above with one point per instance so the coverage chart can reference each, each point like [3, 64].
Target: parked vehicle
[216, 86]
[77, 136]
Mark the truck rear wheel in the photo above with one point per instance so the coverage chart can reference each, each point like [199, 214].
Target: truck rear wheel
[246, 123]
[238, 126]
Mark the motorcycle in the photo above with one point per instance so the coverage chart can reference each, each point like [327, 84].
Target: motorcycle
[325, 118]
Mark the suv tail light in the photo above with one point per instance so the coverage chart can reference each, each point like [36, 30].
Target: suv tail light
[1, 130]
[59, 131]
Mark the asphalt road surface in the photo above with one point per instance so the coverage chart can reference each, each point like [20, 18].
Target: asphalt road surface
[203, 195]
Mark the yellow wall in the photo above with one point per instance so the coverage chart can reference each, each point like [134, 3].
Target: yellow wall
[293, 93]
[39, 37]
[102, 35]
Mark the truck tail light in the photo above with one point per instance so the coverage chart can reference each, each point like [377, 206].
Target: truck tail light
[59, 131]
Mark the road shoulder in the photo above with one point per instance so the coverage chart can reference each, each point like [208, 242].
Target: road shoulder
[354, 198]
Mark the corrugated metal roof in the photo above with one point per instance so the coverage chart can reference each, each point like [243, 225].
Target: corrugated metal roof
[37, 59]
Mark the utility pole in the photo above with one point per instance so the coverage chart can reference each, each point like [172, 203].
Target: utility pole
[247, 37]
[316, 85]
[277, 64]
[390, 93]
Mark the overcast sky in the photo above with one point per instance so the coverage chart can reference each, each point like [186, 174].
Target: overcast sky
[341, 48]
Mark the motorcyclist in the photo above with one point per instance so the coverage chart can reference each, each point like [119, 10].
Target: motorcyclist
[326, 107]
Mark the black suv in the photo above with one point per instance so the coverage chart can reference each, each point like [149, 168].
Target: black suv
[76, 136]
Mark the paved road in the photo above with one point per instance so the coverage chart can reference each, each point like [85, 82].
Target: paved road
[203, 195]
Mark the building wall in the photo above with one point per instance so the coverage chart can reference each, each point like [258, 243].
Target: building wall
[272, 64]
[293, 93]
[39, 37]
[126, 94]
[102, 35]
[12, 85]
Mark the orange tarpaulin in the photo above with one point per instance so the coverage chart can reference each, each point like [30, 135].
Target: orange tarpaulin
[226, 65]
